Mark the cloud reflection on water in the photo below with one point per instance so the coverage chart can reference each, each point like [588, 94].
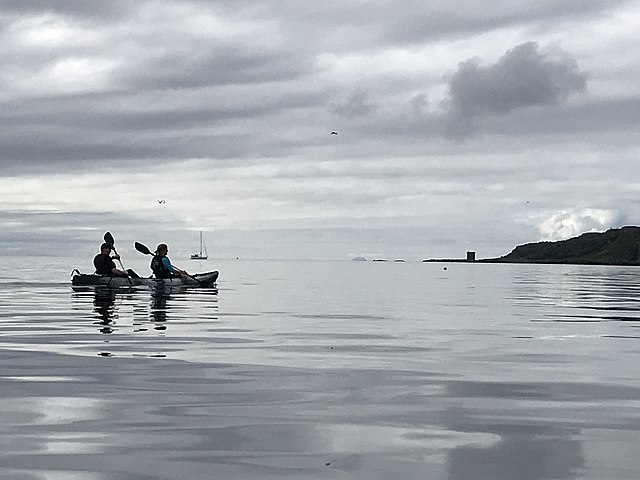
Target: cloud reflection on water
[314, 371]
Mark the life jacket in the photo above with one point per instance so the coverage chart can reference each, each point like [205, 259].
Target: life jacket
[158, 268]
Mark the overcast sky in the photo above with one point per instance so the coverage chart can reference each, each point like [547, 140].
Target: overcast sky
[460, 125]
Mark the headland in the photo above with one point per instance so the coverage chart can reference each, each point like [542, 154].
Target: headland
[616, 246]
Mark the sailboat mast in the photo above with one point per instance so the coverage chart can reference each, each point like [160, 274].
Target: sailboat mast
[203, 247]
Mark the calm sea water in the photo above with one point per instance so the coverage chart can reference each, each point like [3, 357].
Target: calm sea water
[327, 370]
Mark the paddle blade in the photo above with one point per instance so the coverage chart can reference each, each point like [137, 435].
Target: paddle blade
[142, 248]
[108, 238]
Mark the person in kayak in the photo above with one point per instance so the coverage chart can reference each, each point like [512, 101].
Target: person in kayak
[104, 263]
[161, 265]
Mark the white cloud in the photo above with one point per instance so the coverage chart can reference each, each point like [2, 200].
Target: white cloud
[567, 224]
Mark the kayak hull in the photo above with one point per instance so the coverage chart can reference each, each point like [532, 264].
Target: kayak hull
[207, 279]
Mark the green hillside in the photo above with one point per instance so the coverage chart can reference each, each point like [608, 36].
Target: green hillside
[618, 246]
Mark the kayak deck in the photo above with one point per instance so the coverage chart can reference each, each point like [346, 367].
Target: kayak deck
[204, 280]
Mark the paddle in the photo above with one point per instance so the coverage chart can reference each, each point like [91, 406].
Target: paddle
[144, 249]
[108, 238]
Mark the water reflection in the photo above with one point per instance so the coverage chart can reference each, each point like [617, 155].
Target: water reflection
[588, 294]
[135, 321]
[304, 378]
[105, 309]
[519, 455]
[545, 429]
[158, 311]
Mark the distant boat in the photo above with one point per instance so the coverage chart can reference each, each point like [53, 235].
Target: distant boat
[203, 250]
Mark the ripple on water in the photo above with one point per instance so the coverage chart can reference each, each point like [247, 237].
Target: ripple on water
[311, 370]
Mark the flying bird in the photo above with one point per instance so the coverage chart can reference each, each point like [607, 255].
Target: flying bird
[334, 133]
[160, 201]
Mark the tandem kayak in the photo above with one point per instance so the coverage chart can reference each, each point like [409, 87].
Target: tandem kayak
[207, 279]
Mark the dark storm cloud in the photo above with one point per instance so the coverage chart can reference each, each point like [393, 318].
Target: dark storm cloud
[523, 77]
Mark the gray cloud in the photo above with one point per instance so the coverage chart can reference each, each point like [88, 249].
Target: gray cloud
[58, 233]
[356, 104]
[523, 77]
[595, 122]
[442, 18]
[93, 9]
[112, 90]
[232, 64]
[352, 26]
[130, 112]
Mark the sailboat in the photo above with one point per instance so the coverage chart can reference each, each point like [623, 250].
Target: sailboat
[203, 250]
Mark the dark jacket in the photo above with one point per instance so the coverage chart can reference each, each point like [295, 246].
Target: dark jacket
[104, 264]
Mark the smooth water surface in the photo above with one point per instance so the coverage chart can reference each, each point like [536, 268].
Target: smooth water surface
[340, 370]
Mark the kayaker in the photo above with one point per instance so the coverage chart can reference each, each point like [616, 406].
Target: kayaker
[104, 263]
[161, 265]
